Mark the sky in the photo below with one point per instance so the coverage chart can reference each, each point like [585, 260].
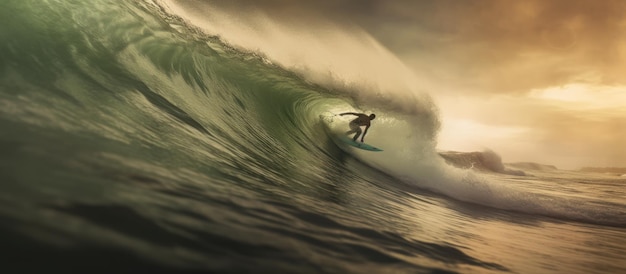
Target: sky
[533, 80]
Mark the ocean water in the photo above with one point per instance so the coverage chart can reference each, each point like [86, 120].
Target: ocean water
[136, 137]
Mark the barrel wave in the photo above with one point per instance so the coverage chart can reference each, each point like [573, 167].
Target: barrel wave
[134, 132]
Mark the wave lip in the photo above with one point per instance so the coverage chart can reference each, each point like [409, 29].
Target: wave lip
[343, 59]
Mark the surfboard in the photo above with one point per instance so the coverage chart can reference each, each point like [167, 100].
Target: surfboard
[364, 146]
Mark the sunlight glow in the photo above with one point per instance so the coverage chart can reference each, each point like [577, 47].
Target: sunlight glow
[583, 94]
[469, 135]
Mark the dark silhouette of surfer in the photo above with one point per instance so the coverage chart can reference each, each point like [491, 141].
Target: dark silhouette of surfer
[356, 124]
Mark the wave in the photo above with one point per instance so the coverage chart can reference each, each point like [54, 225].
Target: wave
[182, 90]
[487, 160]
[533, 166]
[346, 61]
[612, 170]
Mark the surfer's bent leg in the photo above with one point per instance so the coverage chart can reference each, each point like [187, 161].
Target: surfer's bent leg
[356, 136]
[355, 128]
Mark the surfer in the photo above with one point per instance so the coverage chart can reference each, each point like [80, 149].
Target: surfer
[356, 124]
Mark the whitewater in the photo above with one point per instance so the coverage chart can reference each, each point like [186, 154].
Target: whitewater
[180, 136]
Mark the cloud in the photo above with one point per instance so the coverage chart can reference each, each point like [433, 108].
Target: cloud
[503, 46]
[483, 45]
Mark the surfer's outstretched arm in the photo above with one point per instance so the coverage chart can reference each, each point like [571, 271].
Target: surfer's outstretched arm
[345, 113]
